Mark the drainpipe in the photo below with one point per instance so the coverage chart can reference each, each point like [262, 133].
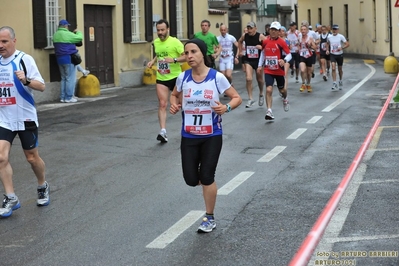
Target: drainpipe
[390, 27]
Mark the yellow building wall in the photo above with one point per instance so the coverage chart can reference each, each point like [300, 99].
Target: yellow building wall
[127, 56]
[365, 36]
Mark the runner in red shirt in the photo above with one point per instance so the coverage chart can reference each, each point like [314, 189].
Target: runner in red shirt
[272, 60]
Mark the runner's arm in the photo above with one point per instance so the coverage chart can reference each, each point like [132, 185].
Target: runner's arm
[151, 62]
[346, 45]
[174, 100]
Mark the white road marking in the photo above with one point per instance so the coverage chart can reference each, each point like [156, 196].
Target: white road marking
[351, 91]
[234, 183]
[314, 120]
[361, 238]
[380, 181]
[271, 154]
[297, 133]
[175, 230]
[50, 106]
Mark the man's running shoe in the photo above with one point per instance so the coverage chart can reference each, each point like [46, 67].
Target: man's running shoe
[302, 88]
[340, 85]
[328, 72]
[261, 100]
[269, 115]
[334, 86]
[312, 74]
[309, 88]
[8, 206]
[162, 137]
[43, 195]
[324, 77]
[292, 73]
[296, 80]
[207, 225]
[250, 103]
[286, 105]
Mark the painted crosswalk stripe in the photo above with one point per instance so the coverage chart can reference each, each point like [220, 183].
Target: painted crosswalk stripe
[314, 120]
[297, 133]
[175, 230]
[271, 154]
[234, 183]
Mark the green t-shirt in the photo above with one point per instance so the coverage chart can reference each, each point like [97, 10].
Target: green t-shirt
[173, 48]
[210, 41]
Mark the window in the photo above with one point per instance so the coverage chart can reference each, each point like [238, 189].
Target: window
[320, 20]
[52, 19]
[309, 17]
[135, 20]
[137, 14]
[331, 16]
[179, 19]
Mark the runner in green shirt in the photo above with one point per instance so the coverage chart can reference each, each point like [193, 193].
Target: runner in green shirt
[169, 51]
[213, 46]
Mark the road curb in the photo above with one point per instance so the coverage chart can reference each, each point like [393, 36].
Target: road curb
[392, 103]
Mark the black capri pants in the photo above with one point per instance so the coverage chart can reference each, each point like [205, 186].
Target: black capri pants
[199, 157]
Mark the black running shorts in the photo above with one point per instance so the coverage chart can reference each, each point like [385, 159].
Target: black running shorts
[28, 137]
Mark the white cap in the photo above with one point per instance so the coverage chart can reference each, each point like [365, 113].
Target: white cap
[275, 25]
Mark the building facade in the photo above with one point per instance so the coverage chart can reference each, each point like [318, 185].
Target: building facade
[371, 26]
[118, 34]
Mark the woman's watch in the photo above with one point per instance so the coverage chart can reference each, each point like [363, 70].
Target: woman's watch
[228, 108]
[28, 80]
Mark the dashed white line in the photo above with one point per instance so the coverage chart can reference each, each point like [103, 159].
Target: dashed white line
[314, 120]
[271, 154]
[297, 133]
[175, 230]
[350, 92]
[234, 183]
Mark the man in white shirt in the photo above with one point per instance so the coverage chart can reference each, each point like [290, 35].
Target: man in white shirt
[226, 54]
[18, 116]
[336, 43]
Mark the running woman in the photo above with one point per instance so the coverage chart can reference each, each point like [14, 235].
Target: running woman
[201, 143]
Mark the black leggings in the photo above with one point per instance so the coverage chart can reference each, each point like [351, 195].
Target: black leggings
[199, 158]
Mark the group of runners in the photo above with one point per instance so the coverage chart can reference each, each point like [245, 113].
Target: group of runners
[270, 56]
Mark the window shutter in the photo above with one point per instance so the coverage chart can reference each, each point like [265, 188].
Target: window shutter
[127, 21]
[71, 13]
[39, 25]
[190, 19]
[172, 18]
[148, 21]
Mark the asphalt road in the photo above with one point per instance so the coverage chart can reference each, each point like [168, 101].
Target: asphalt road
[118, 196]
